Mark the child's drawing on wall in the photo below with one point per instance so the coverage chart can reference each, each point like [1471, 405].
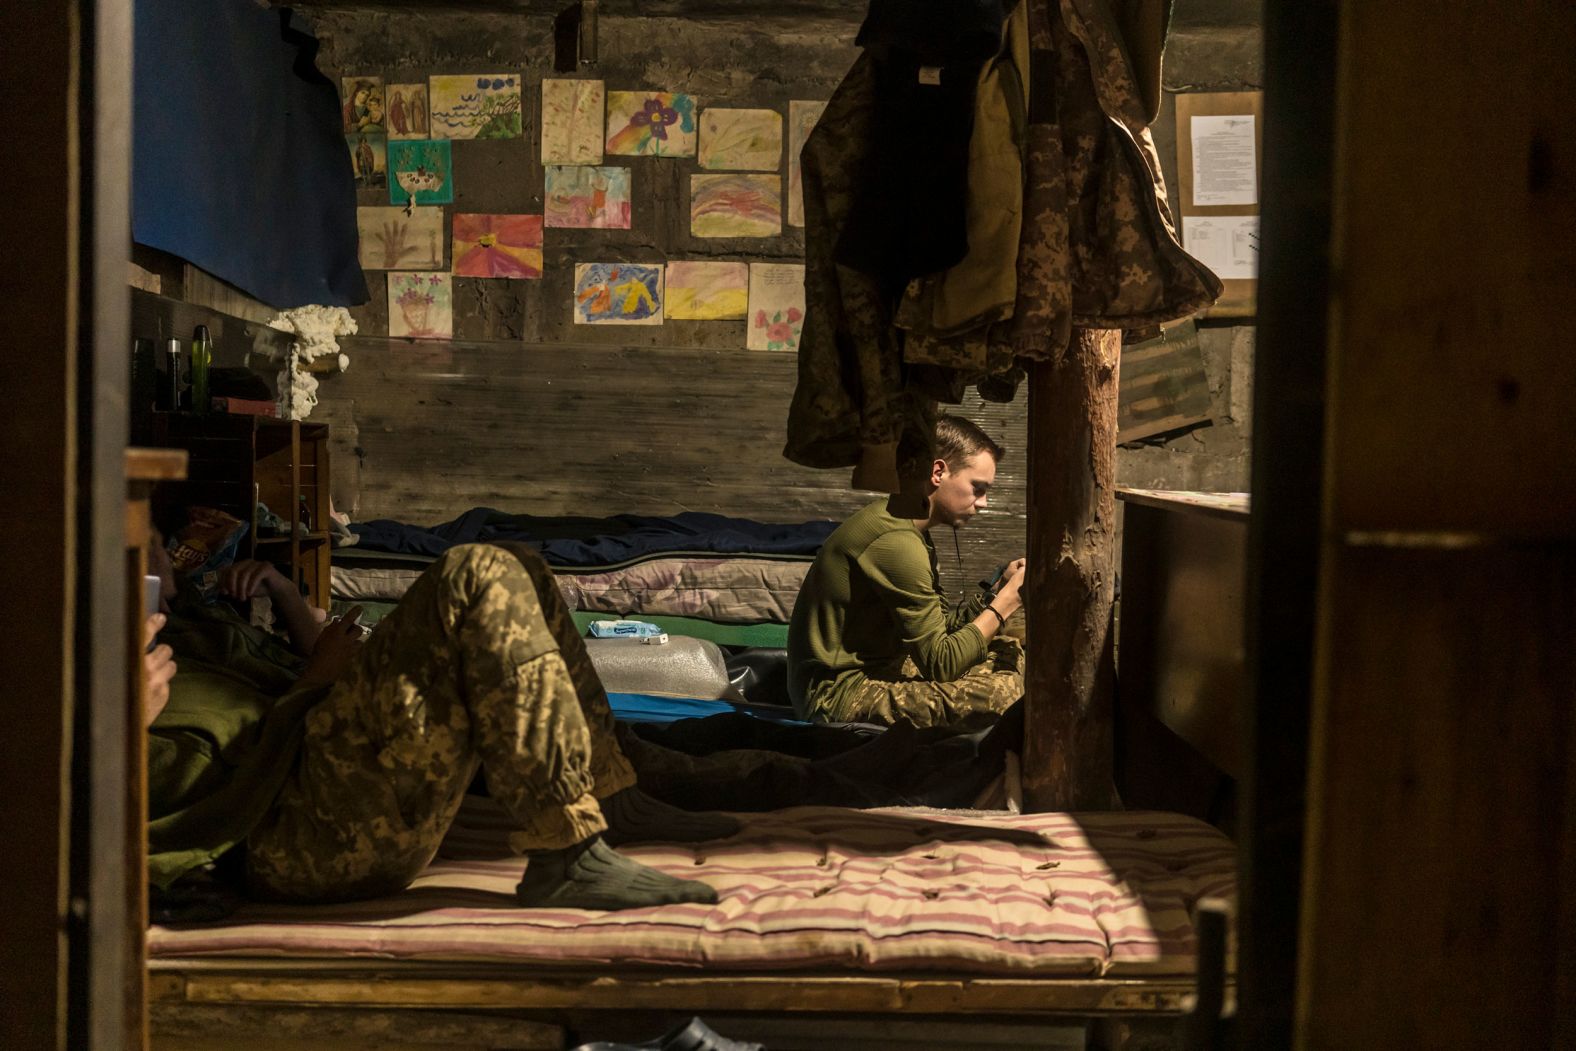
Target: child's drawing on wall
[740, 139]
[705, 291]
[498, 246]
[572, 115]
[736, 205]
[393, 240]
[776, 306]
[420, 170]
[618, 294]
[802, 117]
[655, 123]
[587, 197]
[486, 106]
[421, 306]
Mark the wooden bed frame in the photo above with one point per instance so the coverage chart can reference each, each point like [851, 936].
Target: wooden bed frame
[198, 1002]
[203, 1004]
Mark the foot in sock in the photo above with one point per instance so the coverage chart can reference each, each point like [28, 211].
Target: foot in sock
[634, 817]
[592, 875]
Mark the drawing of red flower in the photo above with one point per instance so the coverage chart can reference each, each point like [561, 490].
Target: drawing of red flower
[781, 332]
[487, 245]
[794, 314]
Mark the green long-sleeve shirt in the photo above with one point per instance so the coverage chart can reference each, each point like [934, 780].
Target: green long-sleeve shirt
[222, 747]
[872, 598]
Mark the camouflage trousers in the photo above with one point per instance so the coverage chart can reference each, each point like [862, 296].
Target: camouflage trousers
[480, 665]
[969, 702]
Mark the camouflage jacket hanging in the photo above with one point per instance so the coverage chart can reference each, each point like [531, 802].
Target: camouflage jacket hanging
[1097, 247]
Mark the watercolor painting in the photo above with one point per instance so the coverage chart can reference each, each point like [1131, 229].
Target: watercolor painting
[498, 246]
[392, 240]
[421, 306]
[655, 123]
[572, 121]
[736, 205]
[420, 169]
[485, 106]
[368, 159]
[587, 198]
[802, 117]
[740, 139]
[361, 101]
[618, 294]
[407, 111]
[776, 306]
[707, 291]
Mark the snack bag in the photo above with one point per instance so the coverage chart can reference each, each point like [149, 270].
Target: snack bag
[207, 543]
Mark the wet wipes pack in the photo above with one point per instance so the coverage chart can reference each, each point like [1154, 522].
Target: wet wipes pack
[624, 629]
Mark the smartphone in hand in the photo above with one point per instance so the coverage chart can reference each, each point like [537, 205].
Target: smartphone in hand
[152, 590]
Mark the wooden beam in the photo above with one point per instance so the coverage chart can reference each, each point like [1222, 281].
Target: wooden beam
[144, 468]
[480, 987]
[38, 515]
[106, 1000]
[1071, 580]
[1287, 481]
[242, 1027]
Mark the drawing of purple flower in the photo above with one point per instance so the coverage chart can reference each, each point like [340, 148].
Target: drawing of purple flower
[657, 116]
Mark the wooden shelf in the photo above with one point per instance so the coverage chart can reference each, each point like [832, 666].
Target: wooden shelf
[240, 461]
[304, 538]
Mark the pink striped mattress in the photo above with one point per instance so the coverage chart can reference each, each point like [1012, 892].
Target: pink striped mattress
[727, 590]
[1064, 895]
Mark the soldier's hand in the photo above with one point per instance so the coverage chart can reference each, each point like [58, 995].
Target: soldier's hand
[336, 647]
[247, 578]
[158, 668]
[1015, 571]
[1008, 596]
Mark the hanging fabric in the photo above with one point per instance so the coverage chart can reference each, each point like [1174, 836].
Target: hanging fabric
[1069, 91]
[925, 58]
[240, 164]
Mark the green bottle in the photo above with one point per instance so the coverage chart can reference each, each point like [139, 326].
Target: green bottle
[202, 354]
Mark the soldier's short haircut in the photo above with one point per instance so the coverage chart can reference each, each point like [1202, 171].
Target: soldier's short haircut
[959, 440]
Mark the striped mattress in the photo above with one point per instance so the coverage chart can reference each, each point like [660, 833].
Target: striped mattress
[895, 890]
[732, 589]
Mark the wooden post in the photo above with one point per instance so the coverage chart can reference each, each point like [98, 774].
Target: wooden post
[1071, 581]
[143, 468]
[1437, 902]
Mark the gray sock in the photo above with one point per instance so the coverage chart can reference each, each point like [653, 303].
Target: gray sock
[592, 875]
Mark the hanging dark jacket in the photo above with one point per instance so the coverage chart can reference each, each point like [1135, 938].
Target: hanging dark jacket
[925, 58]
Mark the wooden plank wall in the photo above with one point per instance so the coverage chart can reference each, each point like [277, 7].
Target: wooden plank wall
[526, 411]
[425, 432]
[1439, 906]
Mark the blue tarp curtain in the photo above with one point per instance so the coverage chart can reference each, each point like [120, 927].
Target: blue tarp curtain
[239, 160]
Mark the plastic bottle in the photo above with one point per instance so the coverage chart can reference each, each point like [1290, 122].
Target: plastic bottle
[202, 354]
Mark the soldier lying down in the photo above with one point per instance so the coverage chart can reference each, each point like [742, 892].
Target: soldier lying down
[330, 769]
